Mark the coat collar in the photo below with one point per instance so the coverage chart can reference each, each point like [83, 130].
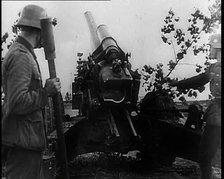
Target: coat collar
[24, 42]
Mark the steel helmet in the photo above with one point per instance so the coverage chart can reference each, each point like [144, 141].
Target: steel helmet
[215, 40]
[31, 15]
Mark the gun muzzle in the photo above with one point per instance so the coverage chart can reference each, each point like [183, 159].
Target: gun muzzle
[107, 42]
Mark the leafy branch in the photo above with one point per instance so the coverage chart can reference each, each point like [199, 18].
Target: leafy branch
[154, 78]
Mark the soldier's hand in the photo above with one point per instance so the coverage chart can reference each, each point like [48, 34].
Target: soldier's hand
[180, 86]
[173, 83]
[52, 86]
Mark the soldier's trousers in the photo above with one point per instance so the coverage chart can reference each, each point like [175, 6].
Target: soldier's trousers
[208, 147]
[23, 164]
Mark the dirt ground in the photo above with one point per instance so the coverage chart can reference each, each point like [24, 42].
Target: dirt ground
[101, 166]
[115, 166]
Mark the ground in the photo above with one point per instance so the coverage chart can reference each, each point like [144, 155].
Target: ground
[114, 166]
[102, 166]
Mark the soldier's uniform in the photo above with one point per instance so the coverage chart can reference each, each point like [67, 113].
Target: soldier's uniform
[211, 137]
[22, 119]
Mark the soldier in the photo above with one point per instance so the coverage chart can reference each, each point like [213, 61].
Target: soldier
[22, 122]
[211, 137]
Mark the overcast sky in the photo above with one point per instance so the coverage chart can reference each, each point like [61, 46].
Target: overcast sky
[135, 24]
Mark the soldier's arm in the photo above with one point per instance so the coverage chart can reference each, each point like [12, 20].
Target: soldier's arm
[193, 82]
[21, 99]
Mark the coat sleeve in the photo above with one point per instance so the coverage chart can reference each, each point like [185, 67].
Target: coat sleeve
[22, 100]
[193, 82]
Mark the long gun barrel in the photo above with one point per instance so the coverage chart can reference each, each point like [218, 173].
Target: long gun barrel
[92, 28]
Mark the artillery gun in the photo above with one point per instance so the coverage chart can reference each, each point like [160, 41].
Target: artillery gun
[105, 92]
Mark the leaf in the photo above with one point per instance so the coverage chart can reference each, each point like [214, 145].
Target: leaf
[54, 21]
[182, 98]
[195, 94]
[188, 44]
[177, 19]
[164, 39]
[190, 93]
[14, 29]
[171, 64]
[198, 70]
[5, 36]
[180, 56]
[79, 54]
[201, 89]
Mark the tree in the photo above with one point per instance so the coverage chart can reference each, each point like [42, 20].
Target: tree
[182, 42]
